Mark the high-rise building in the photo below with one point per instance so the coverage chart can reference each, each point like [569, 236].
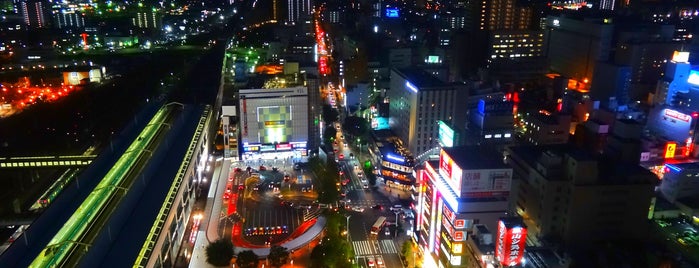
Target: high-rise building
[566, 193]
[147, 20]
[491, 122]
[575, 46]
[502, 15]
[298, 10]
[468, 186]
[35, 13]
[69, 19]
[417, 101]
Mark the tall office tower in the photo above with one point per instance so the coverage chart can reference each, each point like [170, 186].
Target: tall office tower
[148, 20]
[502, 15]
[575, 46]
[607, 4]
[566, 193]
[314, 110]
[298, 10]
[68, 19]
[417, 101]
[35, 13]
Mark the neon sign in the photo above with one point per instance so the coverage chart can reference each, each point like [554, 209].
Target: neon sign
[677, 115]
[451, 172]
[446, 134]
[392, 13]
[411, 87]
[693, 77]
[510, 242]
[395, 158]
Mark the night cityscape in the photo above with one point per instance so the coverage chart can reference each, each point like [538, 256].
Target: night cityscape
[358, 133]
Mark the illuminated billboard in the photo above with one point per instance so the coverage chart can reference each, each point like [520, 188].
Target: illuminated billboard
[433, 59]
[379, 123]
[670, 150]
[392, 12]
[450, 171]
[693, 77]
[674, 125]
[446, 134]
[411, 87]
[511, 241]
[474, 183]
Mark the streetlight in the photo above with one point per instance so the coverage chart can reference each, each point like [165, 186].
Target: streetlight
[396, 212]
[348, 217]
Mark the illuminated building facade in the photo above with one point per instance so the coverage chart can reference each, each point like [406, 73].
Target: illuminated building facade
[516, 44]
[298, 10]
[563, 191]
[35, 13]
[679, 181]
[69, 19]
[468, 186]
[491, 122]
[274, 123]
[503, 15]
[544, 128]
[417, 101]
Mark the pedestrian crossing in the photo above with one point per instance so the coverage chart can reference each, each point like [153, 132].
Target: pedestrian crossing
[312, 214]
[374, 247]
[370, 202]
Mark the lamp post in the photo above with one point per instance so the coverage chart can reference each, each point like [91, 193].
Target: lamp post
[348, 234]
[396, 212]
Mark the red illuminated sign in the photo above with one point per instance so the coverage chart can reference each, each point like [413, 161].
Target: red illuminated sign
[283, 146]
[445, 163]
[459, 223]
[677, 115]
[510, 243]
[458, 236]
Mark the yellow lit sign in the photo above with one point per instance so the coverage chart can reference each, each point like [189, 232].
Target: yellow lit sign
[458, 248]
[670, 149]
[680, 56]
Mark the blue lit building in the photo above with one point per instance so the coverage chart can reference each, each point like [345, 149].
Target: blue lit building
[394, 161]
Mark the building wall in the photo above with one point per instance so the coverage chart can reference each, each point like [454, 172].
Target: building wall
[574, 46]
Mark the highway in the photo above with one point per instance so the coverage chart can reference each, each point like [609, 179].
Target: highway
[78, 231]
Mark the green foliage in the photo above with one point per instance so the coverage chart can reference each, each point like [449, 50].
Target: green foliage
[247, 259]
[406, 251]
[369, 173]
[356, 126]
[333, 252]
[327, 177]
[329, 133]
[220, 252]
[278, 256]
[330, 114]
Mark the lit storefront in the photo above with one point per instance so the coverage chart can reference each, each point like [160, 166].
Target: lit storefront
[452, 200]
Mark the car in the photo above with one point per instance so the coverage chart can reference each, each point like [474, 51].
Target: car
[262, 168]
[279, 230]
[360, 174]
[241, 187]
[285, 229]
[387, 231]
[366, 186]
[358, 209]
[396, 207]
[275, 169]
[287, 203]
[371, 262]
[236, 170]
[229, 188]
[231, 178]
[379, 261]
[297, 167]
[342, 156]
[226, 196]
[248, 169]
[335, 150]
[377, 207]
[287, 178]
[352, 155]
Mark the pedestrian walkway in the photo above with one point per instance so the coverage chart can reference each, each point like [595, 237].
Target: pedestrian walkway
[297, 241]
[374, 247]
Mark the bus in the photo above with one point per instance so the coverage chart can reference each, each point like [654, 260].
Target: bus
[377, 225]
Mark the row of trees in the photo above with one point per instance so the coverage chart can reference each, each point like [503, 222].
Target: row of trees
[327, 179]
[333, 250]
[221, 253]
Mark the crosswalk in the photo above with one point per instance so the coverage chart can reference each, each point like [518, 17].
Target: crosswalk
[370, 202]
[374, 247]
[312, 214]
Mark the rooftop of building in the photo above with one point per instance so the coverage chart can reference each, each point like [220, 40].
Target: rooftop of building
[610, 172]
[475, 157]
[421, 78]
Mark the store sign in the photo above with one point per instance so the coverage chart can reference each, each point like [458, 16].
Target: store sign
[446, 134]
[283, 146]
[450, 171]
[510, 245]
[677, 115]
[670, 149]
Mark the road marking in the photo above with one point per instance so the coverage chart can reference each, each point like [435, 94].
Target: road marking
[388, 247]
[362, 248]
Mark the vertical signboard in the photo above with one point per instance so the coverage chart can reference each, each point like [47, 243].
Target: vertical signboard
[511, 240]
[670, 150]
[450, 171]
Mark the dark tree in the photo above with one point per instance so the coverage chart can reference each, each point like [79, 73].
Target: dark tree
[278, 256]
[329, 134]
[247, 259]
[330, 114]
[220, 252]
[356, 126]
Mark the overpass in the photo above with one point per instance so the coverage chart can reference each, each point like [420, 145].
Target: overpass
[46, 161]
